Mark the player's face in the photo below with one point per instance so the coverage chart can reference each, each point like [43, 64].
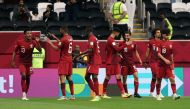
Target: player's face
[165, 36]
[28, 35]
[158, 34]
[62, 31]
[116, 34]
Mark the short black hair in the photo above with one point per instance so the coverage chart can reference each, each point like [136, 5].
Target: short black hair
[26, 30]
[154, 31]
[88, 29]
[65, 29]
[50, 6]
[166, 31]
[116, 29]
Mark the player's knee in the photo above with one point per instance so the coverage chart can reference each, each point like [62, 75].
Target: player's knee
[87, 78]
[153, 79]
[136, 79]
[23, 77]
[154, 76]
[172, 80]
[94, 76]
[70, 81]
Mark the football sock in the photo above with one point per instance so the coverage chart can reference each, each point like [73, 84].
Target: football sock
[23, 84]
[120, 85]
[63, 89]
[105, 84]
[125, 88]
[27, 84]
[152, 85]
[136, 84]
[173, 86]
[96, 86]
[158, 85]
[89, 81]
[71, 86]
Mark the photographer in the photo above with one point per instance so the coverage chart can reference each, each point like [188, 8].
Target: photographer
[21, 12]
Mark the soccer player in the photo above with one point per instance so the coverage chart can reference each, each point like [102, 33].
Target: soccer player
[113, 63]
[152, 57]
[65, 61]
[128, 63]
[24, 48]
[166, 64]
[93, 63]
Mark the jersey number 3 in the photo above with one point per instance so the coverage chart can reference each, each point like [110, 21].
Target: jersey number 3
[22, 50]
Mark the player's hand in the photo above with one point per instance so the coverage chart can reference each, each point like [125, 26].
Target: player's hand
[145, 65]
[141, 63]
[31, 71]
[13, 64]
[168, 62]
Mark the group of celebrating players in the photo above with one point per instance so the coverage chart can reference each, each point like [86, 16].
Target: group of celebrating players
[120, 62]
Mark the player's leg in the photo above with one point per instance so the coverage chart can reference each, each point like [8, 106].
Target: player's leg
[124, 71]
[136, 84]
[71, 86]
[89, 81]
[124, 83]
[27, 83]
[23, 72]
[62, 80]
[105, 84]
[117, 71]
[125, 86]
[96, 84]
[29, 72]
[24, 86]
[173, 85]
[106, 80]
[158, 87]
[154, 69]
[96, 87]
[120, 85]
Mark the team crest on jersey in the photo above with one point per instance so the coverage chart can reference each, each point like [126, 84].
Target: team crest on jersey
[170, 46]
[132, 46]
[113, 43]
[91, 43]
[31, 45]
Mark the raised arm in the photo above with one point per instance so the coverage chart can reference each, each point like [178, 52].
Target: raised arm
[37, 44]
[52, 45]
[118, 48]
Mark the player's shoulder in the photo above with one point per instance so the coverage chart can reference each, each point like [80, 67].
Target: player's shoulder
[20, 41]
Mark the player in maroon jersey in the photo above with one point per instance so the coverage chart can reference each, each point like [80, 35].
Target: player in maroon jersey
[152, 57]
[166, 64]
[113, 63]
[93, 63]
[128, 63]
[65, 61]
[24, 48]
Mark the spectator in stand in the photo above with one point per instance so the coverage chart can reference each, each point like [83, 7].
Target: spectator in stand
[21, 12]
[49, 15]
[71, 10]
[35, 15]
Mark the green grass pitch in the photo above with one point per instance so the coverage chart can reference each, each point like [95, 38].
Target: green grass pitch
[84, 103]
